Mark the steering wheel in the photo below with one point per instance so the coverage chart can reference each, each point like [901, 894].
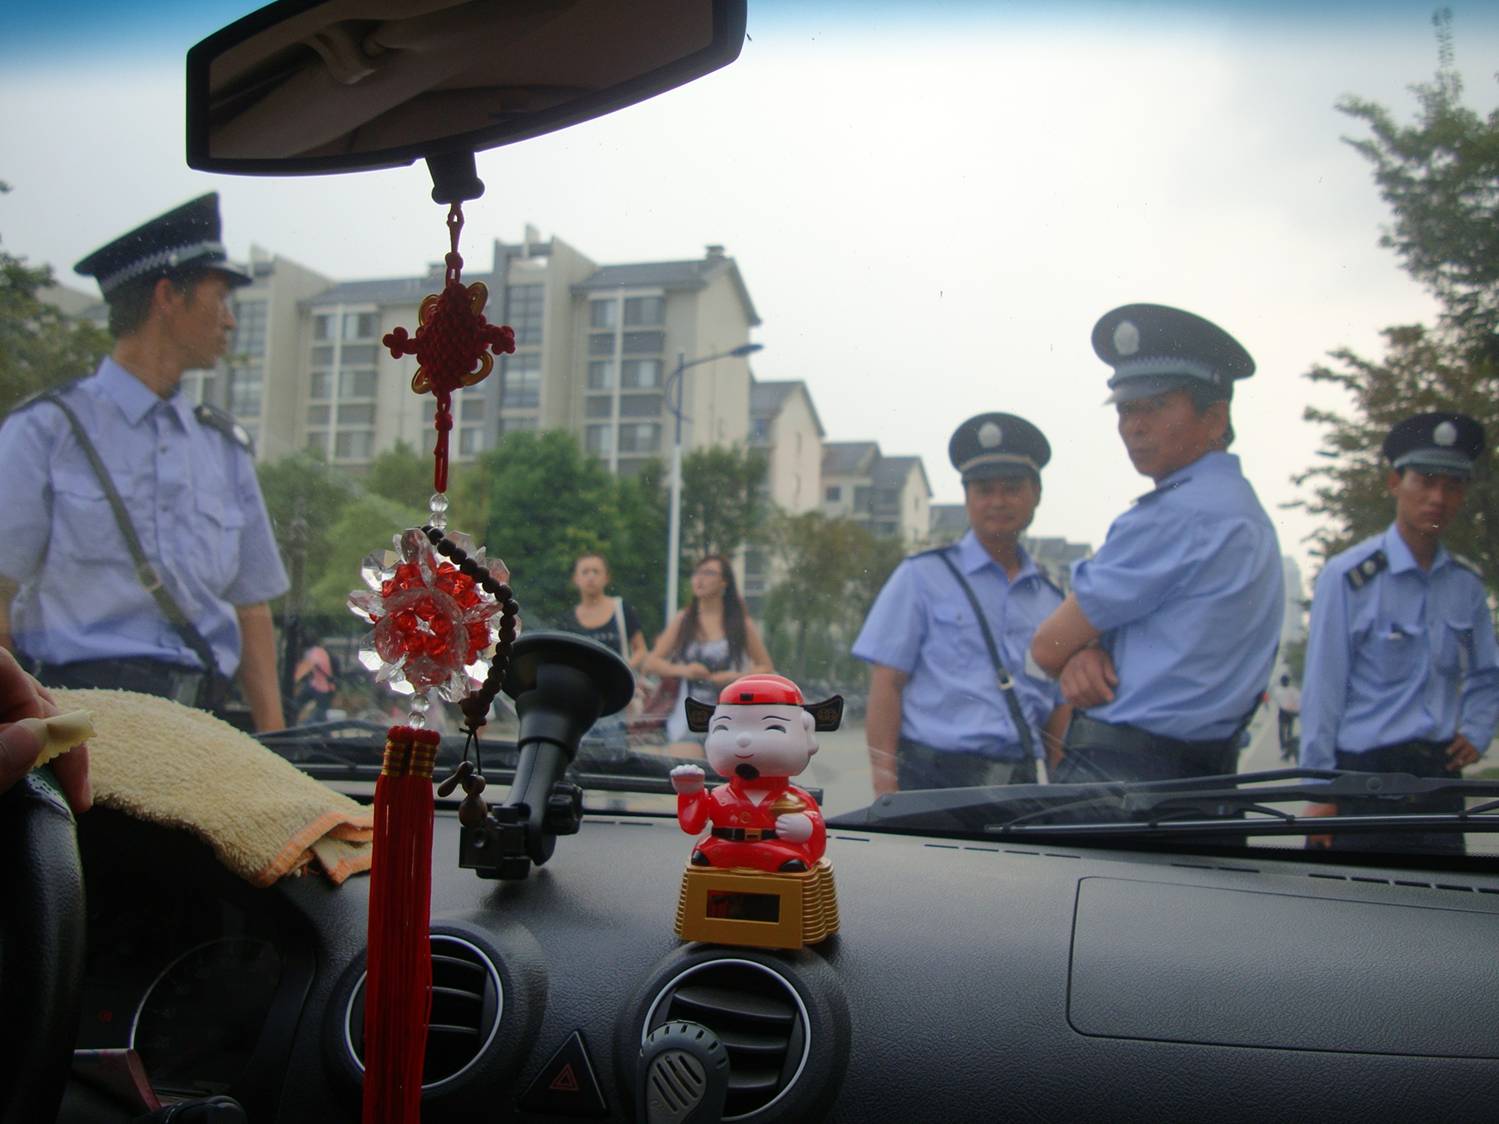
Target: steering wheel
[41, 948]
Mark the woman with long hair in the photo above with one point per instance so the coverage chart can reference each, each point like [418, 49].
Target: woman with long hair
[707, 646]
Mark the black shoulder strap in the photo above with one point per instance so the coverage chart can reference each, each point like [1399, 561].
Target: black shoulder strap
[1360, 575]
[1001, 676]
[223, 421]
[144, 571]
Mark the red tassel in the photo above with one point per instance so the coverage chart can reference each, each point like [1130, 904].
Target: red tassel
[398, 987]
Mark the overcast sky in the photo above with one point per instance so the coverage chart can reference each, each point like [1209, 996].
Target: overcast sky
[930, 205]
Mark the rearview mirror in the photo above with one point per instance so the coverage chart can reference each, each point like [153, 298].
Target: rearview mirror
[316, 86]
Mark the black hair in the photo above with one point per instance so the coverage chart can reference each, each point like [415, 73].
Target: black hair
[733, 615]
[130, 304]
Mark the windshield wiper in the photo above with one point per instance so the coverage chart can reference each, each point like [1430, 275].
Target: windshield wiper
[1199, 805]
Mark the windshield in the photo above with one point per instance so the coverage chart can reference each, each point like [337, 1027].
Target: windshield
[869, 286]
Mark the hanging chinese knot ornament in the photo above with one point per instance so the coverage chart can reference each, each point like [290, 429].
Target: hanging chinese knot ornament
[443, 620]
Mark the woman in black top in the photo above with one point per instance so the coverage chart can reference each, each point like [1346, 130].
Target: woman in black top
[608, 620]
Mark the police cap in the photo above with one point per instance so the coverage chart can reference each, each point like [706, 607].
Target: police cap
[1154, 349]
[1441, 442]
[992, 445]
[183, 239]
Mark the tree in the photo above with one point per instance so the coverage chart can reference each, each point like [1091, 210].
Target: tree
[304, 498]
[40, 346]
[401, 474]
[834, 568]
[366, 524]
[1440, 176]
[724, 506]
[538, 501]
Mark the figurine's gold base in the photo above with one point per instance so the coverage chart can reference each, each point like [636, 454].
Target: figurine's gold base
[750, 907]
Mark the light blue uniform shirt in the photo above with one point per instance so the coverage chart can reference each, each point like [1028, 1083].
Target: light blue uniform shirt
[923, 624]
[190, 491]
[1188, 593]
[1408, 655]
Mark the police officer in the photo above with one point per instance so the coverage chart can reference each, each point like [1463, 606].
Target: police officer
[950, 703]
[1401, 667]
[1166, 641]
[133, 537]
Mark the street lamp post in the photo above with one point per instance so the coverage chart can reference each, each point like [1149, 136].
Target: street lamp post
[674, 524]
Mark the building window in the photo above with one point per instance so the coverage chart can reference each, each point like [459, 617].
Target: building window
[322, 326]
[861, 497]
[320, 385]
[521, 388]
[470, 409]
[353, 444]
[317, 443]
[639, 437]
[603, 313]
[470, 440]
[601, 374]
[249, 329]
[643, 343]
[600, 344]
[317, 415]
[760, 429]
[887, 529]
[357, 355]
[245, 387]
[641, 374]
[322, 356]
[833, 493]
[360, 325]
[362, 413]
[644, 310]
[516, 425]
[527, 303]
[356, 384]
[598, 406]
[599, 439]
[640, 406]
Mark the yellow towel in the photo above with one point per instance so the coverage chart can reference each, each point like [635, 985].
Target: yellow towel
[158, 760]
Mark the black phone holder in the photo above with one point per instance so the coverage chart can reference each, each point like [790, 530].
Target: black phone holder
[562, 684]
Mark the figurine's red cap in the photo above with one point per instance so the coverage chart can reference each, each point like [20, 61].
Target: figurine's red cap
[749, 690]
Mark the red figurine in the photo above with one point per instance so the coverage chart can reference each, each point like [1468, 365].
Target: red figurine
[760, 735]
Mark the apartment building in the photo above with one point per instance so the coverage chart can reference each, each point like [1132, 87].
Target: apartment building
[785, 426]
[889, 495]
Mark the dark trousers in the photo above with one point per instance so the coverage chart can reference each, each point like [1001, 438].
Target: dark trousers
[1287, 723]
[1102, 751]
[921, 766]
[186, 685]
[1419, 759]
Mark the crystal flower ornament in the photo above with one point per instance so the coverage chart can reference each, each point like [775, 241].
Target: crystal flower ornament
[434, 626]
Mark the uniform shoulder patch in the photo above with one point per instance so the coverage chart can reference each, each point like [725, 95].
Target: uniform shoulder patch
[1363, 572]
[1469, 565]
[223, 421]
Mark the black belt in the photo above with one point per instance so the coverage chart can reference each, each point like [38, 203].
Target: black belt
[1111, 735]
[744, 834]
[189, 686]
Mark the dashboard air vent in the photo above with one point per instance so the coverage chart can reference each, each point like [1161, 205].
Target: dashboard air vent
[467, 1000]
[756, 1014]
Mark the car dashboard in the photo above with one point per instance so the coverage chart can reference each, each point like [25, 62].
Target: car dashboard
[971, 980]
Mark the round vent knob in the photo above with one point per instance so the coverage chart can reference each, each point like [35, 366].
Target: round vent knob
[758, 1017]
[467, 1001]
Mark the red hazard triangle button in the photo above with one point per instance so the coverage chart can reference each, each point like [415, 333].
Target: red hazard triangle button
[566, 1085]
